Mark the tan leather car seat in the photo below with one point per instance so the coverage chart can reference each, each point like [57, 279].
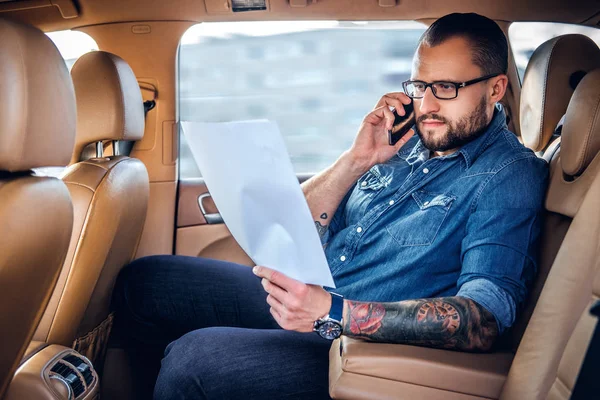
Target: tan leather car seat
[557, 336]
[555, 69]
[110, 199]
[37, 129]
[552, 73]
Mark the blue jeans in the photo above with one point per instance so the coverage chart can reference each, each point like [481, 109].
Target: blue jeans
[221, 340]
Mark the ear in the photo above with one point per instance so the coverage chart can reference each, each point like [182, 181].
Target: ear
[498, 87]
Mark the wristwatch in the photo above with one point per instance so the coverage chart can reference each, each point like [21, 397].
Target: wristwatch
[330, 326]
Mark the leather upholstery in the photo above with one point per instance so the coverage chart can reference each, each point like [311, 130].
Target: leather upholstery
[554, 229]
[581, 136]
[565, 194]
[33, 348]
[110, 199]
[37, 110]
[581, 145]
[547, 85]
[36, 214]
[109, 101]
[557, 336]
[36, 217]
[428, 370]
[560, 328]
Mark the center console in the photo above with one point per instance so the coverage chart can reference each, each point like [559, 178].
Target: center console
[53, 372]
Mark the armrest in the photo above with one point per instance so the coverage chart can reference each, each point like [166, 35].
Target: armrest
[365, 370]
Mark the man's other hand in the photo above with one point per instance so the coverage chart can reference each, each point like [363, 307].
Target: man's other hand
[371, 145]
[294, 305]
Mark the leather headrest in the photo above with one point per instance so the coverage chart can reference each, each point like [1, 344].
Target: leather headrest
[581, 132]
[550, 79]
[37, 107]
[109, 101]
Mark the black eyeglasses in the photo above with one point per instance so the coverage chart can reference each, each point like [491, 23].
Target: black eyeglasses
[442, 90]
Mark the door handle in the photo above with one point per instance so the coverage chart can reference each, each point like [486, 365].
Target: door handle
[210, 218]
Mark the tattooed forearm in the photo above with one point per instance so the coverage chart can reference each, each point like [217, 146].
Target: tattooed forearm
[320, 227]
[447, 322]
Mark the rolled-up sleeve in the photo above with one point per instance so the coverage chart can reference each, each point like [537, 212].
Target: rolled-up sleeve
[499, 251]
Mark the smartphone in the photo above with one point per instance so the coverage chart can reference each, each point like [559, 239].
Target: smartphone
[402, 124]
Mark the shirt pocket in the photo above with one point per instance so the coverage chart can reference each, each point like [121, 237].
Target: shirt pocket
[421, 219]
[370, 183]
[368, 187]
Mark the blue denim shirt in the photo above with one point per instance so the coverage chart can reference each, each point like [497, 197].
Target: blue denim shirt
[464, 224]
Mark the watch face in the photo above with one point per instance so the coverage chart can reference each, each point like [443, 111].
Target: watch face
[330, 330]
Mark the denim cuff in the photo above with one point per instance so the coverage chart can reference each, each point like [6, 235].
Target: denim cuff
[493, 298]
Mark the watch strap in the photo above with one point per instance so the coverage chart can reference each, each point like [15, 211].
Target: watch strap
[337, 307]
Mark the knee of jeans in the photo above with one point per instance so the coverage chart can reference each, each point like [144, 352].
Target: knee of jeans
[124, 298]
[193, 350]
[120, 294]
[185, 366]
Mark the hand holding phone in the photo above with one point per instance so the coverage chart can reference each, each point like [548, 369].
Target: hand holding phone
[402, 124]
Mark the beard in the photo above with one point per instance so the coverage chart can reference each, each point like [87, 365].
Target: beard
[463, 131]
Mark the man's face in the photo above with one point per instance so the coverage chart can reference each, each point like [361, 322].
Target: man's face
[446, 125]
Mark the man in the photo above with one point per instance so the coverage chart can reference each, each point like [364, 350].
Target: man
[430, 242]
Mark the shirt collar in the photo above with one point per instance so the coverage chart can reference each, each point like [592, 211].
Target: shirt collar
[471, 150]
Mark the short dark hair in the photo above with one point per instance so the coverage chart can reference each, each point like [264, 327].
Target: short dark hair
[490, 48]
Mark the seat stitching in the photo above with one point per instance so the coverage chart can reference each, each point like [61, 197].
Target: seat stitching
[25, 103]
[588, 136]
[549, 61]
[122, 94]
[562, 383]
[79, 184]
[94, 165]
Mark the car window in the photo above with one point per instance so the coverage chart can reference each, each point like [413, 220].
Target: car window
[317, 80]
[72, 45]
[525, 37]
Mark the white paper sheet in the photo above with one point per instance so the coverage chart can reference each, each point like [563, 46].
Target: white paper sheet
[249, 175]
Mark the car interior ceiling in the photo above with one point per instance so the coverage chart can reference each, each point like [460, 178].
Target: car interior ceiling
[539, 358]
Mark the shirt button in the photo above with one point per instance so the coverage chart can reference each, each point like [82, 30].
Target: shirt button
[359, 229]
[364, 183]
[425, 170]
[343, 258]
[391, 202]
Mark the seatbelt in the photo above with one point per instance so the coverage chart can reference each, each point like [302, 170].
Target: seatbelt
[554, 141]
[148, 105]
[587, 385]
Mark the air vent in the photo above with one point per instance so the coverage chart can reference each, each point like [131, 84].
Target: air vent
[77, 371]
[82, 366]
[68, 372]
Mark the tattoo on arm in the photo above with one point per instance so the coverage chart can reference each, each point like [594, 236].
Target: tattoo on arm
[448, 322]
[320, 227]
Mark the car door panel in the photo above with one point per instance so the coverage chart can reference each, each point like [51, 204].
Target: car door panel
[203, 234]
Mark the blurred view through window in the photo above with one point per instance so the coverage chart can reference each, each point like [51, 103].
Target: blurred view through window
[317, 80]
[525, 37]
[72, 45]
